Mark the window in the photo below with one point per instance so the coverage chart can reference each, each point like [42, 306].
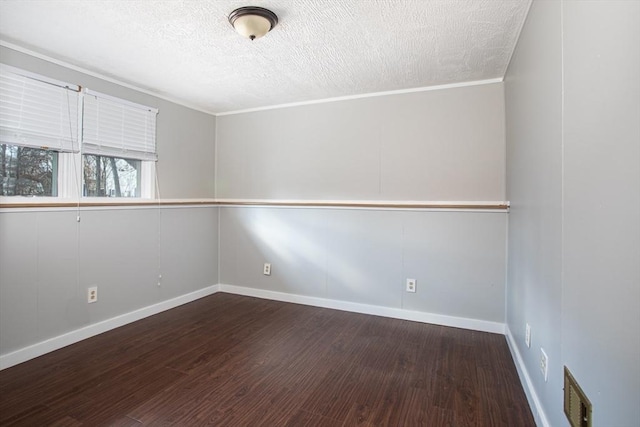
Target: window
[41, 155]
[118, 137]
[110, 176]
[38, 120]
[27, 171]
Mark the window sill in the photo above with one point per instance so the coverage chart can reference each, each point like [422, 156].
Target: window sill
[58, 202]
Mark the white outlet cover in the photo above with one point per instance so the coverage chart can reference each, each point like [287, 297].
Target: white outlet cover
[544, 364]
[527, 335]
[267, 269]
[411, 285]
[92, 294]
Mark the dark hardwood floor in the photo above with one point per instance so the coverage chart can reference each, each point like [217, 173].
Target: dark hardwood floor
[229, 360]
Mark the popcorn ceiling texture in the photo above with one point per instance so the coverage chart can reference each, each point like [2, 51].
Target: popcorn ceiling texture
[187, 50]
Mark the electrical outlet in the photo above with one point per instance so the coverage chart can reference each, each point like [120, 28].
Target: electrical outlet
[411, 285]
[527, 335]
[267, 269]
[92, 294]
[544, 364]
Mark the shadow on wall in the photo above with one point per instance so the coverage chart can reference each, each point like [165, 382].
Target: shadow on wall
[302, 240]
[364, 256]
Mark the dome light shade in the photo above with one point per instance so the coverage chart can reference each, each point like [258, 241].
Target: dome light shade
[253, 22]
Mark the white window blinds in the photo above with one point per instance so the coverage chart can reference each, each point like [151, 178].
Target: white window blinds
[118, 128]
[38, 112]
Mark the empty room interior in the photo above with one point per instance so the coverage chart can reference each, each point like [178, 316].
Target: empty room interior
[320, 213]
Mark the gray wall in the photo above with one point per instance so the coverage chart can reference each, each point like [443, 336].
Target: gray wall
[534, 188]
[364, 256]
[435, 145]
[601, 227]
[47, 259]
[574, 184]
[185, 137]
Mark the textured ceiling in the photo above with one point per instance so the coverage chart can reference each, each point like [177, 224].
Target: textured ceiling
[186, 50]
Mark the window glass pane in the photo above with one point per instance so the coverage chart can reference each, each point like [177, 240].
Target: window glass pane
[110, 176]
[28, 171]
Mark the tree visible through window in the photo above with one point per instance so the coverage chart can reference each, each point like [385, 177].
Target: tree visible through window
[110, 176]
[27, 171]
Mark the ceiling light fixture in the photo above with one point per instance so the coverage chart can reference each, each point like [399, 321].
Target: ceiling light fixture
[253, 22]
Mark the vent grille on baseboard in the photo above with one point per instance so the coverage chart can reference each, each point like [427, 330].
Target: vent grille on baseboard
[577, 407]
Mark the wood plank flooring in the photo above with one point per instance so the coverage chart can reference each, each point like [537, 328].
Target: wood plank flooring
[228, 360]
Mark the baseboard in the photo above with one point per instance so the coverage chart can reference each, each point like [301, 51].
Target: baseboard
[525, 379]
[396, 313]
[55, 343]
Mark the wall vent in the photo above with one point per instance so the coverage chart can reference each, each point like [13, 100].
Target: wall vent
[577, 407]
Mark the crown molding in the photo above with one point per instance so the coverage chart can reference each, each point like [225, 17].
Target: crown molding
[366, 95]
[82, 70]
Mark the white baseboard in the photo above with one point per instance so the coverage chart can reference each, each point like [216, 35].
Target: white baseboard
[525, 379]
[396, 313]
[55, 343]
